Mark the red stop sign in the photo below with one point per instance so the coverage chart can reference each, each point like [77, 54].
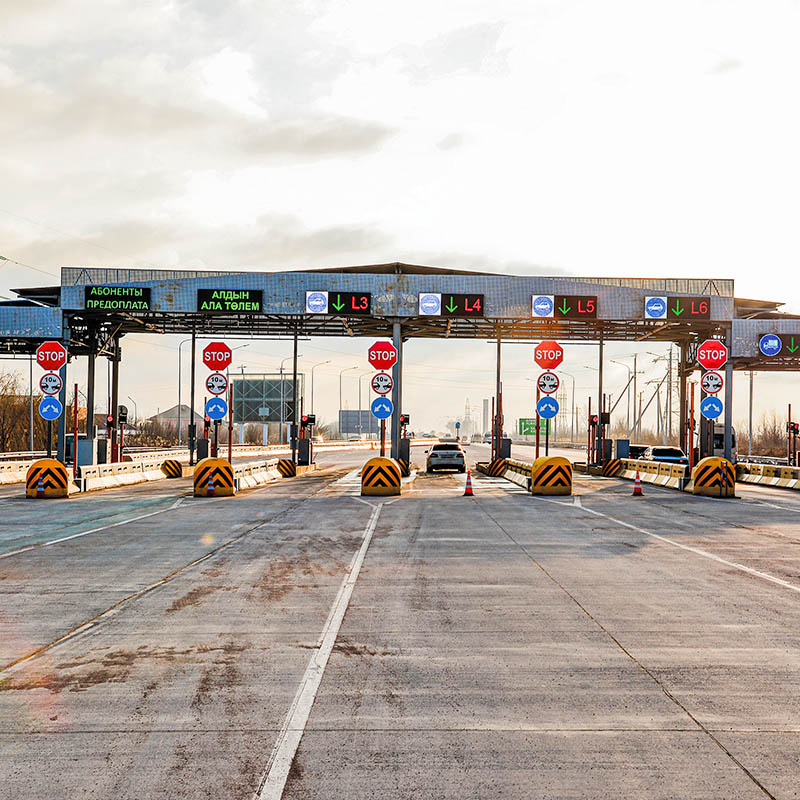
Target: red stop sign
[217, 356]
[712, 354]
[548, 354]
[51, 355]
[382, 355]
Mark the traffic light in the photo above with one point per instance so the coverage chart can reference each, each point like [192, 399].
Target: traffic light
[793, 427]
[593, 420]
[307, 420]
[110, 420]
[122, 414]
[605, 417]
[405, 419]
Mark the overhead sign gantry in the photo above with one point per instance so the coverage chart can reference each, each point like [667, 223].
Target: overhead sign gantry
[94, 307]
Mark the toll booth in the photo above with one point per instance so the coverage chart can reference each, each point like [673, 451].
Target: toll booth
[504, 448]
[305, 452]
[203, 449]
[404, 452]
[622, 448]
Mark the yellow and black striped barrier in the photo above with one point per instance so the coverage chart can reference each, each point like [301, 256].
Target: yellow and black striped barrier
[213, 477]
[714, 477]
[497, 468]
[172, 468]
[47, 478]
[405, 467]
[380, 476]
[551, 475]
[287, 468]
[612, 468]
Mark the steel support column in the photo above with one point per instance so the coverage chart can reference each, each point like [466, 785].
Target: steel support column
[294, 399]
[601, 407]
[397, 389]
[683, 397]
[192, 426]
[115, 399]
[91, 362]
[728, 412]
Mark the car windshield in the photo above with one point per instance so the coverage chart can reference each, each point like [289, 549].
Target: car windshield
[668, 452]
[440, 447]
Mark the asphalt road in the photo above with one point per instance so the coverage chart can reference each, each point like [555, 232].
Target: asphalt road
[301, 641]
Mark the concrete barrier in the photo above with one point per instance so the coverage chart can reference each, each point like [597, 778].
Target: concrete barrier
[381, 477]
[714, 477]
[125, 473]
[172, 468]
[47, 478]
[256, 473]
[14, 471]
[551, 475]
[213, 477]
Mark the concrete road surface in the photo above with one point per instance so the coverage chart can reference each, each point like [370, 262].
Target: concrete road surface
[300, 641]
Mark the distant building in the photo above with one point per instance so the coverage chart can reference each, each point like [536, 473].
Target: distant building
[169, 418]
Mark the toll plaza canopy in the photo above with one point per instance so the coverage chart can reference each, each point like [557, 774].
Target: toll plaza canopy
[93, 305]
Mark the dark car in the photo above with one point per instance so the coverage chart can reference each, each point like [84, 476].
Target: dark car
[667, 455]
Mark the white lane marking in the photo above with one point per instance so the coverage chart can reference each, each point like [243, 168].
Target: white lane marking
[577, 501]
[93, 530]
[704, 553]
[272, 784]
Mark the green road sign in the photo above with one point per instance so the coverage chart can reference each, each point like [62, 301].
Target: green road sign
[527, 426]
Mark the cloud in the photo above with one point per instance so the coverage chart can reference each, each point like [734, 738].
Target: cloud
[725, 66]
[275, 241]
[472, 48]
[450, 141]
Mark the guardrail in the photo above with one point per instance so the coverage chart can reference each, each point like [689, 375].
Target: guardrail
[125, 473]
[769, 475]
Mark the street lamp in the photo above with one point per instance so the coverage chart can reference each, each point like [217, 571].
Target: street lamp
[346, 369]
[312, 381]
[179, 388]
[135, 410]
[574, 413]
[628, 394]
[283, 361]
[368, 372]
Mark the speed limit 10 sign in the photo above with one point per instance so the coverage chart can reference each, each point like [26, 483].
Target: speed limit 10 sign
[216, 383]
[712, 382]
[548, 382]
[50, 383]
[382, 383]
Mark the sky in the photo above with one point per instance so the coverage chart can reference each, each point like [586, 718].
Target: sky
[622, 138]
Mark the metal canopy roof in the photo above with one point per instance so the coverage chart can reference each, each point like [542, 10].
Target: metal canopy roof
[43, 312]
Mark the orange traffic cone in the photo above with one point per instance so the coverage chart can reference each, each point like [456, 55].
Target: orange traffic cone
[468, 488]
[637, 486]
[210, 487]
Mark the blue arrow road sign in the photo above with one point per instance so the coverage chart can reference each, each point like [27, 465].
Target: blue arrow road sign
[770, 344]
[216, 408]
[382, 408]
[50, 408]
[547, 407]
[711, 407]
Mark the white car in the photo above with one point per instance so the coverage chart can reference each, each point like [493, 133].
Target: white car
[446, 455]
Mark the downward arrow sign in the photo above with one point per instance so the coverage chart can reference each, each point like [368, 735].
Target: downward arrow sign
[677, 311]
[792, 347]
[564, 308]
[338, 305]
[451, 307]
